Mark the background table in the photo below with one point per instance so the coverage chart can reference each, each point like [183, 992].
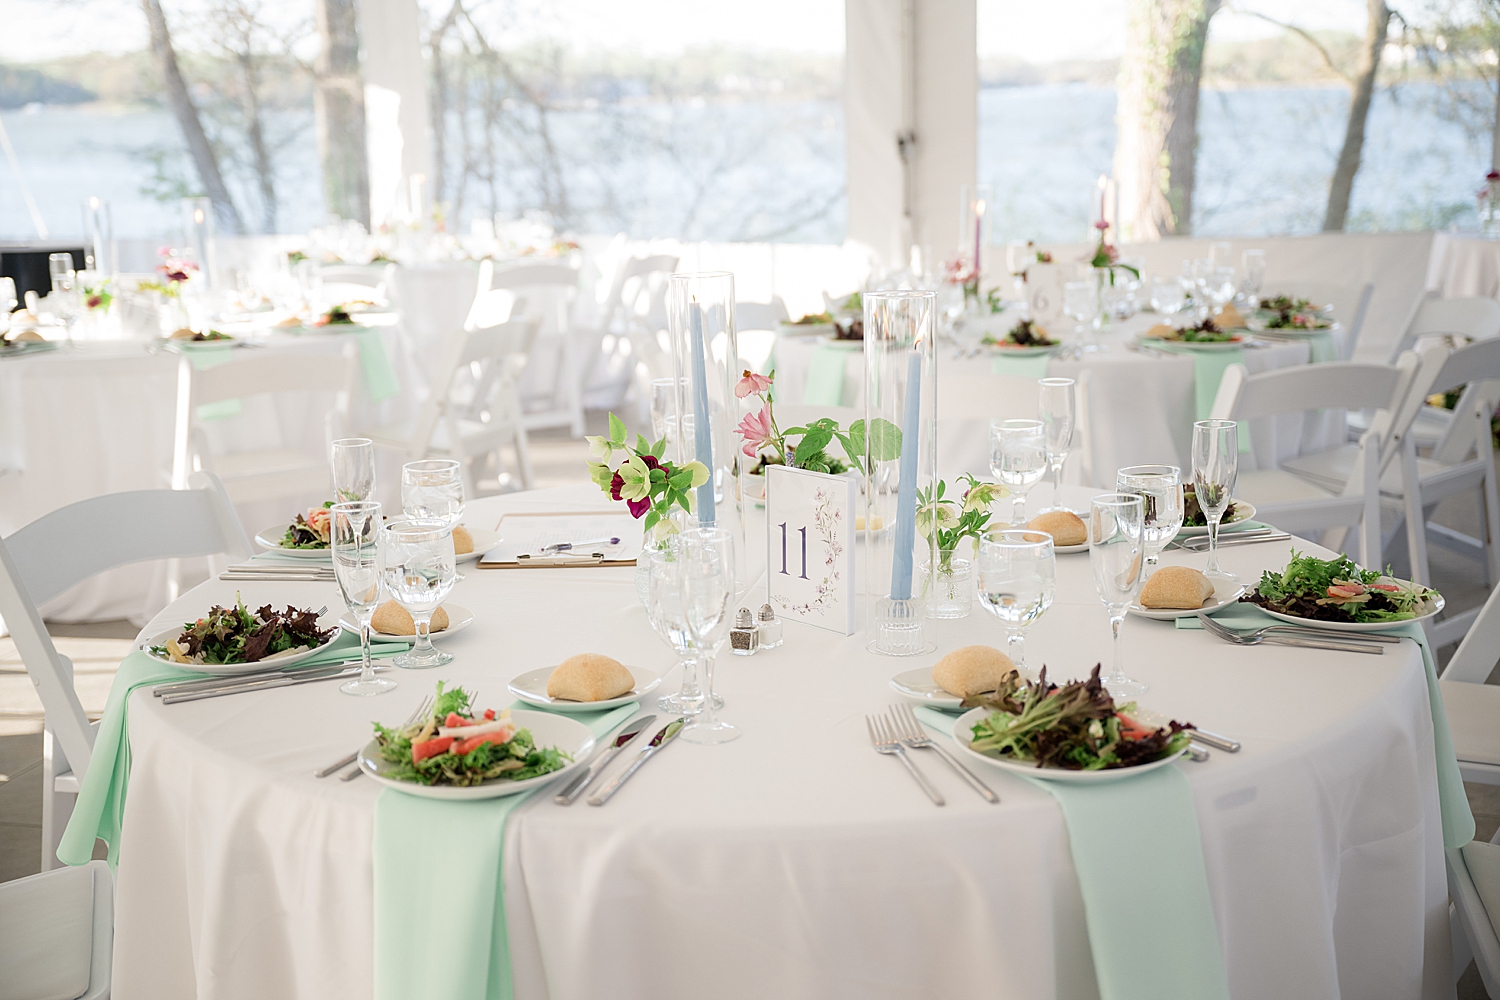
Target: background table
[794, 862]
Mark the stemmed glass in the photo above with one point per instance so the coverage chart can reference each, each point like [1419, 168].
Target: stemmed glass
[696, 587]
[416, 561]
[1222, 288]
[1018, 458]
[1081, 302]
[660, 587]
[1017, 576]
[354, 538]
[1167, 295]
[1216, 462]
[1160, 490]
[1253, 263]
[1055, 407]
[1115, 554]
[353, 469]
[64, 297]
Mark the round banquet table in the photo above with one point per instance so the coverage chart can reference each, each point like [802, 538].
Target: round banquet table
[794, 862]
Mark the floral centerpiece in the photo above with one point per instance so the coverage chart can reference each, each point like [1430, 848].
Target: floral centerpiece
[171, 274]
[947, 521]
[649, 487]
[1106, 259]
[765, 443]
[97, 298]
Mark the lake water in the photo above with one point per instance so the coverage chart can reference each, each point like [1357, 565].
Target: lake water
[774, 171]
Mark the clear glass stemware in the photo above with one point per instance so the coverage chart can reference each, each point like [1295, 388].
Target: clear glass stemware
[1216, 463]
[1018, 458]
[1055, 407]
[433, 488]
[1115, 554]
[661, 594]
[354, 538]
[1081, 302]
[353, 469]
[416, 560]
[698, 587]
[1160, 490]
[1017, 579]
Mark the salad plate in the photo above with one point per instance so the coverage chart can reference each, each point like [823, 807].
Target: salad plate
[1224, 595]
[919, 687]
[963, 735]
[270, 538]
[843, 343]
[484, 540]
[547, 729]
[1435, 607]
[1001, 350]
[1242, 512]
[531, 687]
[458, 620]
[1339, 595]
[1187, 345]
[290, 658]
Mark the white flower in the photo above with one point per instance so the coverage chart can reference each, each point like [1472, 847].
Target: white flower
[600, 448]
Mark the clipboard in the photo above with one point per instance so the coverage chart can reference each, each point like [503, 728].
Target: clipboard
[524, 535]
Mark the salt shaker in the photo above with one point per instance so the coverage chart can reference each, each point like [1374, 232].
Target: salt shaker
[743, 637]
[768, 628]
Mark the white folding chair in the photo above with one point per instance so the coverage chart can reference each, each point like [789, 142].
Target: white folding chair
[1472, 706]
[547, 291]
[635, 317]
[346, 282]
[966, 405]
[756, 324]
[469, 417]
[57, 934]
[1293, 502]
[63, 548]
[1474, 318]
[265, 473]
[1474, 917]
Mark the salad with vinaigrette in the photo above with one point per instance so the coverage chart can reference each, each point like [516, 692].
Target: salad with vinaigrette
[310, 530]
[235, 635]
[1077, 726]
[1339, 590]
[453, 746]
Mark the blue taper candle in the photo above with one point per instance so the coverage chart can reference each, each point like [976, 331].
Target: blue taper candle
[702, 437]
[906, 492]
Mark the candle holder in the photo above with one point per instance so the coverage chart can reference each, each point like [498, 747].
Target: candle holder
[899, 460]
[700, 402]
[198, 226]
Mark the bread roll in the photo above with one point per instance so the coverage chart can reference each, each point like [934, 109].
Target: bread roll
[1065, 527]
[463, 542]
[1229, 317]
[27, 337]
[392, 619]
[1162, 331]
[589, 677]
[972, 670]
[182, 333]
[1176, 587]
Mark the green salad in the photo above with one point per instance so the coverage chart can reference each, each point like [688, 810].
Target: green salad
[453, 746]
[1024, 334]
[1192, 513]
[1339, 590]
[1204, 332]
[235, 635]
[311, 530]
[1077, 726]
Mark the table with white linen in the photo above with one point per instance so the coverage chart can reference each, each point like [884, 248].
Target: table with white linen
[1464, 265]
[794, 862]
[98, 417]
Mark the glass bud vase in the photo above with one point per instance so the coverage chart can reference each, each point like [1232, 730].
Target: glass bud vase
[950, 589]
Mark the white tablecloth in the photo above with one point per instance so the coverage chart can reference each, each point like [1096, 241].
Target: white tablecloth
[1464, 265]
[794, 862]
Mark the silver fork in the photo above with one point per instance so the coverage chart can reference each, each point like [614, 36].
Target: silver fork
[1255, 639]
[911, 734]
[422, 708]
[1313, 632]
[886, 742]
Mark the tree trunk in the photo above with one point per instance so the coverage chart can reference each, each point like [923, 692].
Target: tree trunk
[339, 104]
[255, 132]
[1359, 112]
[1157, 117]
[186, 113]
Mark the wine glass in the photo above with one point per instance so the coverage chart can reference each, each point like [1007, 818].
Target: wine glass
[1115, 555]
[660, 594]
[1081, 302]
[1253, 262]
[353, 469]
[698, 586]
[1167, 295]
[1222, 287]
[1018, 458]
[1216, 461]
[63, 298]
[354, 539]
[1017, 576]
[1160, 489]
[1056, 408]
[1202, 276]
[416, 561]
[433, 488]
[1221, 254]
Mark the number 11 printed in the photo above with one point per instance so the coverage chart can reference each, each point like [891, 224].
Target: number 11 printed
[803, 532]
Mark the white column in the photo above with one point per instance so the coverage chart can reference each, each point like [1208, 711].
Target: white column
[396, 110]
[911, 71]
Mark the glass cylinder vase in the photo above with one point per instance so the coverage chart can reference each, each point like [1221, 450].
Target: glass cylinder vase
[952, 585]
[899, 447]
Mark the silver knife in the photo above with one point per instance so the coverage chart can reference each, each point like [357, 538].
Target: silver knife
[1348, 647]
[1215, 740]
[238, 679]
[581, 781]
[1201, 544]
[667, 734]
[290, 680]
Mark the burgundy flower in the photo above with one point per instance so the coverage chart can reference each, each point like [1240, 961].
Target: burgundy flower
[639, 507]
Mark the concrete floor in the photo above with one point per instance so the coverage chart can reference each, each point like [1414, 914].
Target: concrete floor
[556, 460]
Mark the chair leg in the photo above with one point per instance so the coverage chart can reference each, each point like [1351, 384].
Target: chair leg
[1416, 521]
[1489, 500]
[52, 819]
[523, 454]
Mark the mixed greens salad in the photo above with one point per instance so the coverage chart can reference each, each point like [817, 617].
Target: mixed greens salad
[813, 319]
[1286, 313]
[1204, 332]
[234, 635]
[1339, 590]
[336, 316]
[310, 530]
[1023, 334]
[452, 746]
[1192, 514]
[1077, 726]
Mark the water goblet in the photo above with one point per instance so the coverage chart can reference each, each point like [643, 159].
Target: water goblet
[702, 578]
[1216, 461]
[433, 488]
[1018, 458]
[353, 469]
[1222, 254]
[1017, 578]
[1167, 295]
[1222, 288]
[1253, 263]
[1115, 556]
[1081, 302]
[354, 542]
[660, 594]
[1160, 490]
[1056, 408]
[416, 561]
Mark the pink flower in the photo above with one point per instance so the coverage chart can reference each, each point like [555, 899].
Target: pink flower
[1101, 225]
[756, 430]
[751, 383]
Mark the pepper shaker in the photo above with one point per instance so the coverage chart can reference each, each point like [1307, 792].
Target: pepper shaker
[743, 638]
[768, 628]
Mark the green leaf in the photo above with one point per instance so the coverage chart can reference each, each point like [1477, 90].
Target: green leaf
[617, 432]
[652, 517]
[681, 480]
[682, 501]
[659, 447]
[813, 443]
[642, 446]
[885, 440]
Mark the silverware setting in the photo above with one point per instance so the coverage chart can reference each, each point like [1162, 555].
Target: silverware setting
[291, 678]
[884, 740]
[1346, 642]
[1197, 754]
[666, 735]
[423, 707]
[1253, 536]
[286, 570]
[909, 731]
[606, 753]
[1215, 740]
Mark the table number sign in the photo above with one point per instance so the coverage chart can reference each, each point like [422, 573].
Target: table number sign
[810, 547]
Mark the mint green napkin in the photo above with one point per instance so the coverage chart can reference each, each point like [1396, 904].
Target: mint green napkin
[1138, 857]
[1208, 372]
[429, 849]
[1453, 803]
[1034, 366]
[100, 806]
[1322, 347]
[380, 378]
[1229, 529]
[212, 356]
[825, 376]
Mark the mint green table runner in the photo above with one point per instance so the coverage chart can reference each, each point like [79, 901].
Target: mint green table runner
[212, 356]
[100, 806]
[1034, 366]
[1138, 857]
[432, 853]
[1458, 820]
[825, 376]
[1322, 347]
[380, 377]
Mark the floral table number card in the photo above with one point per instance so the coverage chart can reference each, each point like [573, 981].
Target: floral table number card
[810, 547]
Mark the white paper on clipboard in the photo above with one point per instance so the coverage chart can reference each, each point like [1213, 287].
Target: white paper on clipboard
[528, 533]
